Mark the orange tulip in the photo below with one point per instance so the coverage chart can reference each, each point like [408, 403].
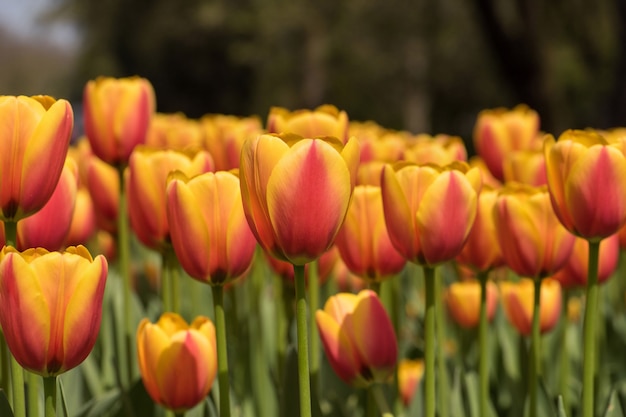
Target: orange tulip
[410, 373]
[363, 241]
[51, 306]
[440, 149]
[174, 131]
[527, 167]
[117, 113]
[296, 192]
[208, 227]
[587, 182]
[325, 120]
[358, 337]
[34, 130]
[177, 361]
[83, 223]
[146, 182]
[517, 299]
[429, 210]
[533, 242]
[103, 183]
[225, 135]
[500, 131]
[463, 301]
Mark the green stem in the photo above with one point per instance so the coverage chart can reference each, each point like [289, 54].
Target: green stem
[380, 400]
[442, 373]
[170, 290]
[5, 367]
[126, 361]
[181, 414]
[589, 331]
[222, 352]
[374, 286]
[10, 233]
[565, 360]
[483, 328]
[281, 307]
[429, 339]
[314, 352]
[33, 393]
[303, 343]
[17, 381]
[535, 350]
[50, 394]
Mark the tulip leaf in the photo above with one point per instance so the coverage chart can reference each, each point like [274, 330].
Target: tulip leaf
[457, 405]
[5, 407]
[63, 400]
[561, 407]
[614, 407]
[107, 404]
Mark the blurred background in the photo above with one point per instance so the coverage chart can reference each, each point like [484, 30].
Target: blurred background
[424, 66]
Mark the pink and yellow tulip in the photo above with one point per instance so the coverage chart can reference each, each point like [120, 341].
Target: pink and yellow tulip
[326, 120]
[358, 337]
[463, 301]
[224, 136]
[174, 131]
[177, 361]
[410, 374]
[51, 306]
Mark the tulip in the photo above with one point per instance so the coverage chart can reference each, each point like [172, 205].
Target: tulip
[498, 132]
[177, 361]
[463, 301]
[440, 150]
[51, 306]
[527, 167]
[146, 182]
[517, 300]
[325, 266]
[174, 131]
[410, 373]
[358, 337]
[34, 129]
[533, 242]
[103, 183]
[224, 137]
[574, 273]
[83, 222]
[363, 241]
[208, 227]
[117, 113]
[325, 120]
[296, 192]
[377, 143]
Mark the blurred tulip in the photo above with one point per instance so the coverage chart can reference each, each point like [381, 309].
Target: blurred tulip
[146, 182]
[533, 242]
[486, 175]
[463, 301]
[574, 273]
[346, 281]
[379, 144]
[482, 250]
[51, 306]
[325, 120]
[369, 173]
[527, 167]
[34, 139]
[517, 300]
[363, 241]
[177, 361]
[225, 135]
[410, 373]
[49, 227]
[429, 210]
[83, 223]
[587, 182]
[440, 149]
[498, 132]
[117, 113]
[174, 131]
[358, 337]
[296, 192]
[208, 227]
[103, 183]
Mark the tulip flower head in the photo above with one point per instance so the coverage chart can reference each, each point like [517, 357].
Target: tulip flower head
[325, 120]
[410, 373]
[517, 299]
[34, 129]
[358, 337]
[463, 301]
[587, 182]
[51, 306]
[177, 361]
[296, 192]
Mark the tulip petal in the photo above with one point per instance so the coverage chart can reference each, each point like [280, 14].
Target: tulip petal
[342, 355]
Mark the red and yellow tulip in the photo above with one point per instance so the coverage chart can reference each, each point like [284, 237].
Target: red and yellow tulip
[463, 301]
[517, 300]
[326, 120]
[410, 373]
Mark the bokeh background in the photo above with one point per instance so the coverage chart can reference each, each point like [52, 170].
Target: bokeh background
[424, 65]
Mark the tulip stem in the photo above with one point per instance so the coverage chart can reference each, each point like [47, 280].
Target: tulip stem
[222, 351]
[303, 343]
[381, 402]
[4, 365]
[50, 394]
[17, 381]
[314, 296]
[429, 339]
[123, 235]
[442, 373]
[170, 292]
[565, 359]
[483, 365]
[10, 233]
[535, 349]
[589, 330]
[32, 382]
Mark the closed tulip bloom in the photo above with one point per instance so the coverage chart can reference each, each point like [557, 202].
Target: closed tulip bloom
[482, 250]
[83, 223]
[587, 182]
[498, 132]
[51, 306]
[117, 113]
[410, 373]
[527, 167]
[517, 300]
[363, 240]
[177, 361]
[49, 227]
[296, 192]
[463, 301]
[146, 182]
[532, 240]
[574, 273]
[103, 183]
[34, 137]
[174, 131]
[208, 227]
[429, 210]
[440, 149]
[358, 337]
[325, 120]
[224, 136]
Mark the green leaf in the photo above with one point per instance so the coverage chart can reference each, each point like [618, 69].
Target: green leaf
[614, 408]
[561, 407]
[63, 401]
[5, 407]
[457, 406]
[108, 404]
